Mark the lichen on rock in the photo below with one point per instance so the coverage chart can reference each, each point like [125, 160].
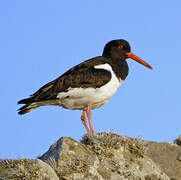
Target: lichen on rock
[101, 156]
[26, 169]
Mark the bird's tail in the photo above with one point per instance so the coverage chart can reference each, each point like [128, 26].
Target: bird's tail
[26, 108]
[29, 105]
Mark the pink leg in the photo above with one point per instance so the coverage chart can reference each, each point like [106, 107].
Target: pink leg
[88, 111]
[83, 118]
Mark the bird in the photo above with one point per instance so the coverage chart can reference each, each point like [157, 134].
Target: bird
[88, 85]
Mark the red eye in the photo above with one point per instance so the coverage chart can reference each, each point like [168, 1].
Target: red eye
[120, 47]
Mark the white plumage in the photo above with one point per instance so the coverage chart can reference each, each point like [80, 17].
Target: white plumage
[80, 98]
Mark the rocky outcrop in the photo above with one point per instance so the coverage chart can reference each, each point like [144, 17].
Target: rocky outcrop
[167, 156]
[26, 169]
[102, 156]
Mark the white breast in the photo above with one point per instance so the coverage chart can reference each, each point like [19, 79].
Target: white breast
[111, 87]
[80, 98]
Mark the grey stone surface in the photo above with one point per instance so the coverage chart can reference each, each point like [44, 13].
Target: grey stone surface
[26, 169]
[102, 156]
[167, 156]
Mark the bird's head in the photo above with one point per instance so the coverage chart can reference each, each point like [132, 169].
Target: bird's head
[121, 49]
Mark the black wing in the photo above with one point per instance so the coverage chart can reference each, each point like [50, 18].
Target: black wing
[83, 75]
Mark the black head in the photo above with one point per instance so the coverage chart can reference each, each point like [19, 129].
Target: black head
[116, 48]
[120, 49]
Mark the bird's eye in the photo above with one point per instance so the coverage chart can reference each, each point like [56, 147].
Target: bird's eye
[120, 46]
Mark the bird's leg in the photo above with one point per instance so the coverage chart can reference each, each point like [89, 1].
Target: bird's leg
[84, 121]
[88, 111]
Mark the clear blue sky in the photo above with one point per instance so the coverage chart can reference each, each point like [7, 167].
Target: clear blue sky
[40, 40]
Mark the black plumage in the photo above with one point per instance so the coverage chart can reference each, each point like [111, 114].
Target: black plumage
[86, 75]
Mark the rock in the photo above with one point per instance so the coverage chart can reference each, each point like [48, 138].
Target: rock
[101, 156]
[69, 158]
[26, 169]
[168, 157]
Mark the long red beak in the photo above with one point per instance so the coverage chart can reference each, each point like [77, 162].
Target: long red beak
[136, 58]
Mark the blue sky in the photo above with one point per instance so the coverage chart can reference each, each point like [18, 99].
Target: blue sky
[40, 40]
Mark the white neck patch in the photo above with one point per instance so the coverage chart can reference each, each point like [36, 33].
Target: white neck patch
[104, 66]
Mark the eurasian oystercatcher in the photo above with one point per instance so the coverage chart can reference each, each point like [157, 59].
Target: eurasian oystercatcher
[88, 85]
